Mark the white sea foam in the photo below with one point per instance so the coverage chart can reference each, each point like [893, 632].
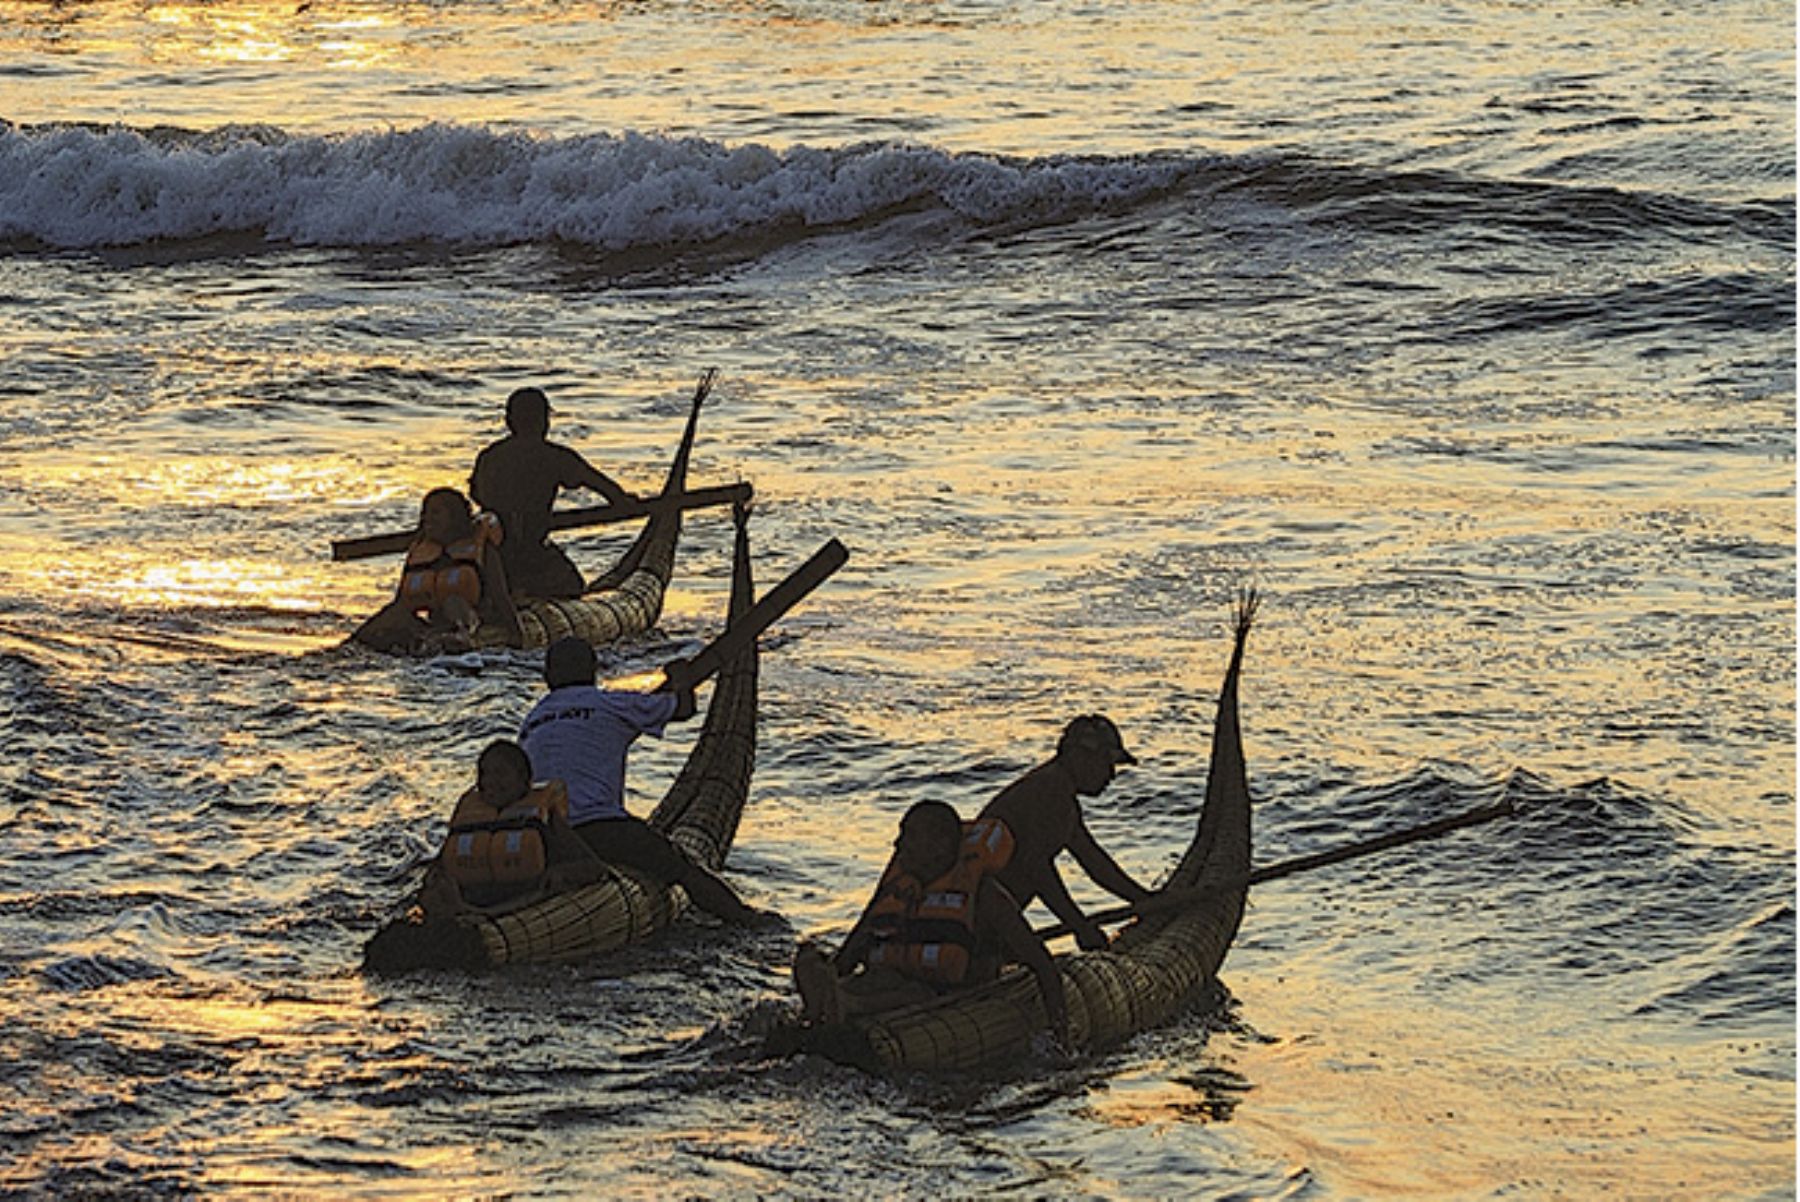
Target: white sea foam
[78, 187]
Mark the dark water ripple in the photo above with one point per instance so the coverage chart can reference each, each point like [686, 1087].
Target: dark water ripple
[1735, 304]
[1413, 203]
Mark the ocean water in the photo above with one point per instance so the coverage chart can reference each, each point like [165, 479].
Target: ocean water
[1463, 331]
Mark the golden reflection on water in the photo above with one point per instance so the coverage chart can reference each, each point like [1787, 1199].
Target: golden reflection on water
[141, 578]
[116, 482]
[282, 1056]
[1392, 1098]
[266, 33]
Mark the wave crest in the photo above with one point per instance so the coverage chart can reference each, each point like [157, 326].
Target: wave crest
[78, 187]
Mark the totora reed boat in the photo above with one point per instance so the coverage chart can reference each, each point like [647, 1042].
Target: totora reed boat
[1153, 969]
[700, 814]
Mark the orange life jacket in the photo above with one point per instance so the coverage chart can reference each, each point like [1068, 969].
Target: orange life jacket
[490, 847]
[927, 931]
[436, 571]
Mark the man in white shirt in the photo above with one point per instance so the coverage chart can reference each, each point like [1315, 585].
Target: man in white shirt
[579, 734]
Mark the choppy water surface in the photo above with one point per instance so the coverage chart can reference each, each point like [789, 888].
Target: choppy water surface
[1467, 334]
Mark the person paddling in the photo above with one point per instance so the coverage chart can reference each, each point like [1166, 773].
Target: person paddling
[452, 581]
[518, 478]
[579, 734]
[1042, 810]
[939, 921]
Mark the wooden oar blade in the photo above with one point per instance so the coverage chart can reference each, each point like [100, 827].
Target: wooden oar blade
[773, 604]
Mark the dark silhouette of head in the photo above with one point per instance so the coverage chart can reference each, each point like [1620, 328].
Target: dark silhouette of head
[1092, 749]
[930, 840]
[445, 516]
[569, 661]
[528, 413]
[503, 773]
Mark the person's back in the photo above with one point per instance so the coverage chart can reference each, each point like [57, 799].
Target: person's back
[1042, 812]
[518, 478]
[580, 734]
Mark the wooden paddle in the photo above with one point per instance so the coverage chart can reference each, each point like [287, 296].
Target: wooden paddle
[684, 674]
[593, 515]
[1176, 898]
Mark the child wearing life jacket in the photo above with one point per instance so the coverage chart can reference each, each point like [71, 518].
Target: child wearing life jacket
[509, 840]
[452, 580]
[939, 921]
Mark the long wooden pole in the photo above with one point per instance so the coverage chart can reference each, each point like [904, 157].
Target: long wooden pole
[1429, 830]
[565, 519]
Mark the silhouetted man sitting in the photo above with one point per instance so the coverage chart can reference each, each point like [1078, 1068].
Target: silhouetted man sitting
[518, 479]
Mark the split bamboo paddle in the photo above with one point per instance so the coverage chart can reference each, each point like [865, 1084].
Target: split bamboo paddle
[1428, 830]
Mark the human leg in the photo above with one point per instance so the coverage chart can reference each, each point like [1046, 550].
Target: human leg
[817, 981]
[636, 844]
[394, 627]
[543, 571]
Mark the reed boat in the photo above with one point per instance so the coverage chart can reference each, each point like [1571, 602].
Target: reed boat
[700, 814]
[625, 601]
[1157, 966]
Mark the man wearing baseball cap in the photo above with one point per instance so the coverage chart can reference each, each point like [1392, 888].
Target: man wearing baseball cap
[518, 479]
[1042, 809]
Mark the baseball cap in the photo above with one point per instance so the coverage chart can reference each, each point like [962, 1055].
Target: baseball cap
[1095, 733]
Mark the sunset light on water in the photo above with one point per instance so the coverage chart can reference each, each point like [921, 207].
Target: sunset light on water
[1464, 334]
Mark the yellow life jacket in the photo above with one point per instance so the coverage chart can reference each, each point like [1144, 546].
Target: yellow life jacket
[489, 847]
[927, 930]
[436, 571]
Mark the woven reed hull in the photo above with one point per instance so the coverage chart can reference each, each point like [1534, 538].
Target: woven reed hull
[1153, 969]
[700, 814]
[1111, 996]
[598, 618]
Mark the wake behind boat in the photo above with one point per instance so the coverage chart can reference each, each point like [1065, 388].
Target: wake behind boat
[1152, 970]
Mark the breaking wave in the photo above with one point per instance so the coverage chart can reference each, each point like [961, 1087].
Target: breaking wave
[88, 188]
[79, 187]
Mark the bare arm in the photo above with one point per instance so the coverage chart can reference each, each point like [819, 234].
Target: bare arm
[1102, 868]
[999, 914]
[675, 681]
[855, 949]
[579, 473]
[478, 481]
[496, 597]
[1056, 896]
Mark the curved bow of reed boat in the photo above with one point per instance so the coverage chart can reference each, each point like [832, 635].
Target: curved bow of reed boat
[1152, 969]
